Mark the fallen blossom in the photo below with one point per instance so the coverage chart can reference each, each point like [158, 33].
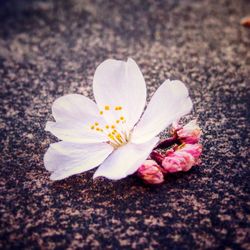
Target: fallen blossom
[112, 133]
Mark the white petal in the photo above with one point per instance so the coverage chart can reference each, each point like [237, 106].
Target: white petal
[64, 159]
[169, 103]
[74, 115]
[125, 160]
[74, 107]
[75, 132]
[119, 83]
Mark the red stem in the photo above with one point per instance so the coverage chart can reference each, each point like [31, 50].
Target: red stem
[157, 157]
[167, 142]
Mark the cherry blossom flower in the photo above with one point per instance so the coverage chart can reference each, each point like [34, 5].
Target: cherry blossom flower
[181, 159]
[112, 133]
[150, 172]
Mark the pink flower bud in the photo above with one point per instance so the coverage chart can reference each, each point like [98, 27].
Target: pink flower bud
[182, 159]
[194, 149]
[150, 172]
[190, 133]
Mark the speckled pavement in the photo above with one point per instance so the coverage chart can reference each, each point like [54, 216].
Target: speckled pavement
[48, 49]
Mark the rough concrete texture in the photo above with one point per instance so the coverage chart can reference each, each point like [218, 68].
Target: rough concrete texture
[51, 48]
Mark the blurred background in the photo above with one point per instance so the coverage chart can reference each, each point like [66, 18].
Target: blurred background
[51, 48]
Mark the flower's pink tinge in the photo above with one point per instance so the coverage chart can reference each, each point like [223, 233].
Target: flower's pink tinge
[179, 161]
[194, 149]
[150, 172]
[190, 133]
[182, 159]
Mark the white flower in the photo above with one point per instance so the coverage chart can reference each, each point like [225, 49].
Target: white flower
[112, 132]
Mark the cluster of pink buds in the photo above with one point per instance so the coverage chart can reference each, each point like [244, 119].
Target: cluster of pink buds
[183, 152]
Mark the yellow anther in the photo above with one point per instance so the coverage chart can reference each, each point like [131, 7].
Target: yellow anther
[92, 127]
[107, 107]
[107, 126]
[101, 112]
[121, 118]
[118, 137]
[117, 121]
[111, 136]
[118, 108]
[113, 126]
[96, 123]
[97, 129]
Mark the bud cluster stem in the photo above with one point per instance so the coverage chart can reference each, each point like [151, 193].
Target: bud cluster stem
[157, 157]
[166, 143]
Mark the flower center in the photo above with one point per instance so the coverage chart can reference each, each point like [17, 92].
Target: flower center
[117, 131]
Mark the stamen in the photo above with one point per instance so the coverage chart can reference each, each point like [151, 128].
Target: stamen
[117, 135]
[118, 108]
